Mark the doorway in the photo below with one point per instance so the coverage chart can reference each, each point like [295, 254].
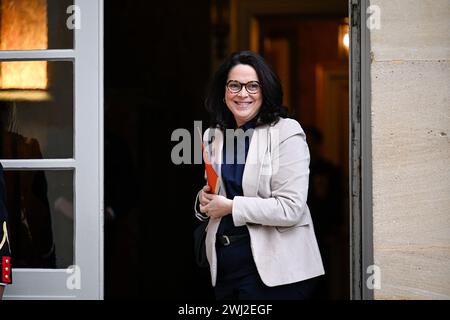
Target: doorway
[159, 59]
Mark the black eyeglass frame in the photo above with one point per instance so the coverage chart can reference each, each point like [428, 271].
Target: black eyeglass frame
[243, 85]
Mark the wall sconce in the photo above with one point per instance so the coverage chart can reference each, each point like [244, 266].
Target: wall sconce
[344, 39]
[23, 26]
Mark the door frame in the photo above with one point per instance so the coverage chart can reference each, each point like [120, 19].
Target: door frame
[86, 163]
[360, 144]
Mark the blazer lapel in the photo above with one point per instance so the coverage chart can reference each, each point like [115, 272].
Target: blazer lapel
[254, 161]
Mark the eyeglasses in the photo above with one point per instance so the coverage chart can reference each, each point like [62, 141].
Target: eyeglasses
[236, 86]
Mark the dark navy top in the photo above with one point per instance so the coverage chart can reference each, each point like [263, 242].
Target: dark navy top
[232, 170]
[234, 261]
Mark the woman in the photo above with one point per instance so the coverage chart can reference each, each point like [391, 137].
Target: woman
[260, 240]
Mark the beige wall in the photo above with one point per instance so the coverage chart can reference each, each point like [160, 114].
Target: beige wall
[410, 76]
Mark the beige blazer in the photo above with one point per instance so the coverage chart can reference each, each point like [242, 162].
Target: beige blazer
[275, 185]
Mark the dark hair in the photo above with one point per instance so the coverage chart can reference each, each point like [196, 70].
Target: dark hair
[272, 93]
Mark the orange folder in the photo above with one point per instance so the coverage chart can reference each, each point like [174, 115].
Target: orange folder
[211, 174]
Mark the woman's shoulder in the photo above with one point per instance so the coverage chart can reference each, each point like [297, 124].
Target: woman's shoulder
[288, 127]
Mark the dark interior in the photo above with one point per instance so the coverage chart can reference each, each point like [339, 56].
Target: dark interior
[159, 58]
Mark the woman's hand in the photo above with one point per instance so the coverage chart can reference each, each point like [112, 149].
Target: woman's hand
[202, 198]
[215, 206]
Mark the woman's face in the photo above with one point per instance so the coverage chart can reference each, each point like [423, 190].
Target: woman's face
[243, 105]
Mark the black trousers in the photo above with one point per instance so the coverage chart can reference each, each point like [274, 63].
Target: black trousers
[238, 278]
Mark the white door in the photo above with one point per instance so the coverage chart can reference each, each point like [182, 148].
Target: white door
[51, 146]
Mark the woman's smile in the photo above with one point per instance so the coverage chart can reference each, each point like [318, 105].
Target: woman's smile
[243, 105]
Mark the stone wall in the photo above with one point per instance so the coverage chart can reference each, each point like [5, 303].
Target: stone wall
[410, 75]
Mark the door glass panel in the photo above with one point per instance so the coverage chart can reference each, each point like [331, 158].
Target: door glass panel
[36, 109]
[25, 24]
[40, 217]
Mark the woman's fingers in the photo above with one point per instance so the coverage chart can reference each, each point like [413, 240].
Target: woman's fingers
[203, 209]
[205, 196]
[209, 196]
[203, 200]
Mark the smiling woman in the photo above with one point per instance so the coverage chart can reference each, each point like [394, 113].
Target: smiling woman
[244, 86]
[243, 104]
[260, 240]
